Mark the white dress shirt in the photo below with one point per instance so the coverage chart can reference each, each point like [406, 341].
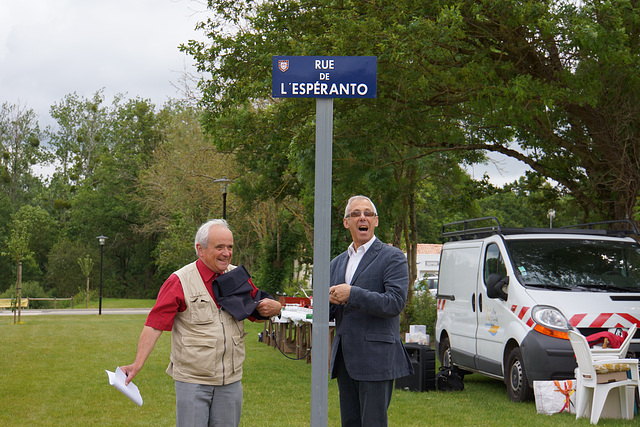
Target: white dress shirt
[355, 256]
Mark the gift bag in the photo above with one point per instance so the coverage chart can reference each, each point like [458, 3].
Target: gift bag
[553, 397]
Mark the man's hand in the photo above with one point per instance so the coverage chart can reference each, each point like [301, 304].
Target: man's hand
[269, 307]
[130, 371]
[339, 294]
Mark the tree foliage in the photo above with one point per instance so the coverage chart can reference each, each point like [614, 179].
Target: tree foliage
[19, 150]
[179, 188]
[374, 140]
[550, 83]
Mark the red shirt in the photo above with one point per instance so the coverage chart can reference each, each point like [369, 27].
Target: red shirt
[170, 299]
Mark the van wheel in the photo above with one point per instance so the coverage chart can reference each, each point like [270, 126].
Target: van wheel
[515, 378]
[445, 352]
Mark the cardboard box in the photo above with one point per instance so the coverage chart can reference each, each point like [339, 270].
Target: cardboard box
[610, 377]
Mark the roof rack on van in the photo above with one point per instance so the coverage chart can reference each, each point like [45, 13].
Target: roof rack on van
[632, 230]
[476, 228]
[471, 228]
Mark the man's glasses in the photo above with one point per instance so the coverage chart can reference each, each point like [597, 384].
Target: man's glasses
[356, 214]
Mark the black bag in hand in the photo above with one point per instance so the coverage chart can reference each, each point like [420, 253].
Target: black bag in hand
[447, 379]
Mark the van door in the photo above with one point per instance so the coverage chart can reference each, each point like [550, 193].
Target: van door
[457, 284]
[490, 333]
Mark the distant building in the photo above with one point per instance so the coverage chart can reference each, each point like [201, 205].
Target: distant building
[428, 259]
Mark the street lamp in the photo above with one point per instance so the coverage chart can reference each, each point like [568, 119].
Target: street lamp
[101, 239]
[551, 214]
[225, 182]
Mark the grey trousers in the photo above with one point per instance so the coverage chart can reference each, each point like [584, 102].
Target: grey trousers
[199, 405]
[362, 403]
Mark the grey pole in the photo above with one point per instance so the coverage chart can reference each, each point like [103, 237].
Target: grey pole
[101, 239]
[321, 253]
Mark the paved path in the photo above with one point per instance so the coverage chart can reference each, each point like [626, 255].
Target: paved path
[68, 312]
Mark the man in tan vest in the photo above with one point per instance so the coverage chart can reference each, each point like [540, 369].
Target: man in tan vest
[207, 342]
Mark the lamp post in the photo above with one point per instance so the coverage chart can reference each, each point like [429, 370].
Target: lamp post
[225, 182]
[101, 239]
[551, 214]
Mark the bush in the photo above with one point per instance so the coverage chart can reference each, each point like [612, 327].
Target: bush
[80, 299]
[421, 310]
[30, 289]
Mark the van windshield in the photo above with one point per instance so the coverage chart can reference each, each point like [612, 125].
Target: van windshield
[577, 264]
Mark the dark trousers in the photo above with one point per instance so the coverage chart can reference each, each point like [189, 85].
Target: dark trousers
[362, 403]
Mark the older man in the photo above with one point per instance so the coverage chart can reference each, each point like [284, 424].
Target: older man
[207, 338]
[370, 282]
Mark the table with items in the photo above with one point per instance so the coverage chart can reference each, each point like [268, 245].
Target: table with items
[291, 331]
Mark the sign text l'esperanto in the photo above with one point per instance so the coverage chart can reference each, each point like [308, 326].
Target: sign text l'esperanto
[324, 76]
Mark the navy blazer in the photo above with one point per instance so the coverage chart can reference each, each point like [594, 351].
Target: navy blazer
[368, 325]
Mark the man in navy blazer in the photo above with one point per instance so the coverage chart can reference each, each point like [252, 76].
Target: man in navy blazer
[369, 284]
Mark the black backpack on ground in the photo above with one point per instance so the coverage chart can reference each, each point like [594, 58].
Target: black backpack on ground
[447, 379]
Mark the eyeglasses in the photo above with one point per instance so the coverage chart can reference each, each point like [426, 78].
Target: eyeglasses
[356, 214]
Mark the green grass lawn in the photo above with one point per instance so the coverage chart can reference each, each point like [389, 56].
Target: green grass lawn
[52, 373]
[119, 303]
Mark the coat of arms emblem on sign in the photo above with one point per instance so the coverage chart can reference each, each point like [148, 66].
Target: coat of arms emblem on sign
[283, 65]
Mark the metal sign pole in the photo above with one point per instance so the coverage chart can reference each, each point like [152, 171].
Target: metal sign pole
[323, 78]
[321, 254]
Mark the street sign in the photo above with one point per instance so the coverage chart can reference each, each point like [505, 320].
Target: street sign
[324, 76]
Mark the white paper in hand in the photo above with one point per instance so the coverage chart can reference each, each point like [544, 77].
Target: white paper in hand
[117, 379]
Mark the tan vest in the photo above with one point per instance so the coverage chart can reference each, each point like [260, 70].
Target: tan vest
[207, 343]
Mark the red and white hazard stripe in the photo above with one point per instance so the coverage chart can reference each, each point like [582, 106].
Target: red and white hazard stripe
[523, 313]
[584, 320]
[603, 320]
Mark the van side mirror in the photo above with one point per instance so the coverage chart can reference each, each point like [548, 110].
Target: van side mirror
[495, 285]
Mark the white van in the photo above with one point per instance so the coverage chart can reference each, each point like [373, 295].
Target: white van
[506, 297]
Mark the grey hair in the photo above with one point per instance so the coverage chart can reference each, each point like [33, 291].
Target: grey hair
[202, 236]
[359, 197]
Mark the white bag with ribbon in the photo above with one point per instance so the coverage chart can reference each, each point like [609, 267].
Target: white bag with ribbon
[553, 397]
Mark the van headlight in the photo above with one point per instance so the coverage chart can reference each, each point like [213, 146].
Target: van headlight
[550, 321]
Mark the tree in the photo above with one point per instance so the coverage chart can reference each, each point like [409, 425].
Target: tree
[526, 203]
[86, 265]
[105, 202]
[178, 188]
[64, 273]
[80, 134]
[18, 249]
[76, 143]
[34, 224]
[20, 149]
[550, 83]
[5, 227]
[374, 140]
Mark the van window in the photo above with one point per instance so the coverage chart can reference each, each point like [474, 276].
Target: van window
[493, 262]
[577, 264]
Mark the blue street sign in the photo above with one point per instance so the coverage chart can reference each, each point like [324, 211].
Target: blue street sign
[324, 76]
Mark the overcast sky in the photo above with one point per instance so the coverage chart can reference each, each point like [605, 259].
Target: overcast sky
[501, 169]
[51, 48]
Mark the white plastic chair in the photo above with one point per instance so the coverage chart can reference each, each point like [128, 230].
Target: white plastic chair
[589, 390]
[620, 353]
